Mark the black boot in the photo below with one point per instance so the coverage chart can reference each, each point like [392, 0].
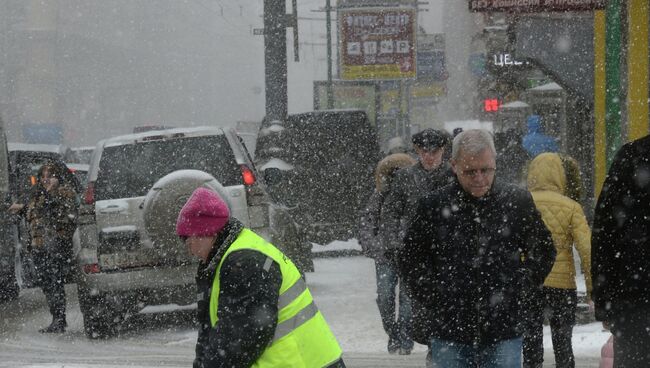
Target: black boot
[393, 345]
[58, 325]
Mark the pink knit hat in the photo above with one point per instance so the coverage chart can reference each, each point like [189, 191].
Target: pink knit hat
[204, 214]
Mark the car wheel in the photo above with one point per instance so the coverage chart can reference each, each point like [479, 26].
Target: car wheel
[98, 319]
[162, 204]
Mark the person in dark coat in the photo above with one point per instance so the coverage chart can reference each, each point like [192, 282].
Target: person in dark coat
[52, 213]
[254, 307]
[512, 158]
[473, 248]
[373, 245]
[621, 254]
[409, 184]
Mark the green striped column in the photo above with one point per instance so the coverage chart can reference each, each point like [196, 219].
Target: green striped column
[600, 135]
[637, 69]
[613, 79]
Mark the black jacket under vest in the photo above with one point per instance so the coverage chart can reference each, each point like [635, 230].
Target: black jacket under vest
[467, 261]
[248, 305]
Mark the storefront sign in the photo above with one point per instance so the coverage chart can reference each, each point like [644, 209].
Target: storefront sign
[377, 43]
[506, 60]
[535, 6]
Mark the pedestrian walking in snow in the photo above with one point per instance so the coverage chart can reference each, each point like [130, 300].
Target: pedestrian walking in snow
[621, 254]
[254, 307]
[52, 215]
[536, 141]
[512, 158]
[409, 184]
[395, 320]
[472, 249]
[554, 182]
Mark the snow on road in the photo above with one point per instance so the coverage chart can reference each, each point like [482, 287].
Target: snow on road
[344, 290]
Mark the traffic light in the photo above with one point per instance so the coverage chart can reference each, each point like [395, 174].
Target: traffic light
[491, 105]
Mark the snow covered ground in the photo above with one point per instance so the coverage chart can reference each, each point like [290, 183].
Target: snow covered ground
[359, 327]
[343, 287]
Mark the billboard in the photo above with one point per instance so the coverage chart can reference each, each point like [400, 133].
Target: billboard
[377, 43]
[535, 6]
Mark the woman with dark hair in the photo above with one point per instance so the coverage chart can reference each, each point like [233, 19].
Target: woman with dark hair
[51, 213]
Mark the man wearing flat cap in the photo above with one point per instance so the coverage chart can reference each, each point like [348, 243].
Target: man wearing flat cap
[408, 185]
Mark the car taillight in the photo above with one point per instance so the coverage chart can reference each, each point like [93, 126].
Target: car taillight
[33, 180]
[248, 175]
[89, 195]
[91, 268]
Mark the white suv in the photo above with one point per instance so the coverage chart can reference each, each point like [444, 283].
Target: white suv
[128, 253]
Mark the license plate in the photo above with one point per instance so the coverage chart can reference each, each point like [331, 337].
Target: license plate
[141, 258]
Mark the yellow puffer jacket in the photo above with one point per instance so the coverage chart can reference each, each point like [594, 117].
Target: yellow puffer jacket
[565, 219]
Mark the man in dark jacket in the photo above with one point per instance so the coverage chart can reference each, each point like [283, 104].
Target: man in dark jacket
[413, 182]
[407, 186]
[253, 305]
[621, 254]
[472, 249]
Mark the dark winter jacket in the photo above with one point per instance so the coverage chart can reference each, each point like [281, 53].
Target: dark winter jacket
[371, 238]
[409, 185]
[621, 235]
[467, 261]
[247, 291]
[52, 214]
[512, 158]
[369, 224]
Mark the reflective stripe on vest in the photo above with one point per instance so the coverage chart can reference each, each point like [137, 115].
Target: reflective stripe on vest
[302, 337]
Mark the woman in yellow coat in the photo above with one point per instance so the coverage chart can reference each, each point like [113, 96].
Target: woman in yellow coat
[555, 184]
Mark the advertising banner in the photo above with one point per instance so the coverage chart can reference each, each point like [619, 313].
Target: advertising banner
[535, 6]
[377, 43]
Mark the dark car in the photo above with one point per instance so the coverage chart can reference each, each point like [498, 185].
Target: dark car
[8, 284]
[320, 164]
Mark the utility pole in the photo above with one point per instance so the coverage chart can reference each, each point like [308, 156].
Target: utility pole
[330, 90]
[275, 59]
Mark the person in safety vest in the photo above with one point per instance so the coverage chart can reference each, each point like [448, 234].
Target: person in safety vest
[254, 307]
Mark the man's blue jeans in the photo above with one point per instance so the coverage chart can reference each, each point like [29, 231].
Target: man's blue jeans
[449, 354]
[398, 329]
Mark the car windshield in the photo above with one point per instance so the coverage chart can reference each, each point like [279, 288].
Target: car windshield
[131, 170]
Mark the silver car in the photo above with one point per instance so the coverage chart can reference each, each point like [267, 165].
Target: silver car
[127, 251]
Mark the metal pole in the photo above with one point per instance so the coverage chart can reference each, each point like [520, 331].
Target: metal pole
[613, 79]
[328, 19]
[275, 59]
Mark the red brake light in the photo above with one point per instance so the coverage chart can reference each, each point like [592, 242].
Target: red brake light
[247, 175]
[89, 195]
[91, 268]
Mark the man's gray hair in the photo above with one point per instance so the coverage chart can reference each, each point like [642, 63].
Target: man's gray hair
[473, 142]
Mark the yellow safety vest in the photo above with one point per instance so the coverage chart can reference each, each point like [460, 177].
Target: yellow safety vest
[302, 337]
